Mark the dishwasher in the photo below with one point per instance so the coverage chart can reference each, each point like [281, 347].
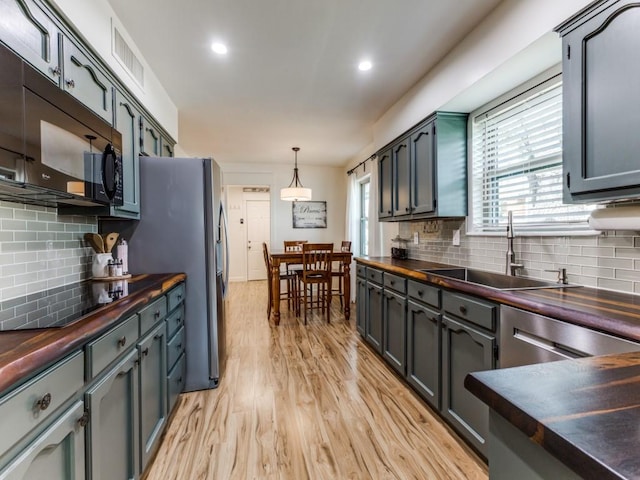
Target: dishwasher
[527, 338]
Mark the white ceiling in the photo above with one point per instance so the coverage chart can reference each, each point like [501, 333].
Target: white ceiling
[290, 77]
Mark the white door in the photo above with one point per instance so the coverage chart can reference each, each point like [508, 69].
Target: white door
[258, 231]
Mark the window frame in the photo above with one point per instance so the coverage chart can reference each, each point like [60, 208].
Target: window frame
[363, 215]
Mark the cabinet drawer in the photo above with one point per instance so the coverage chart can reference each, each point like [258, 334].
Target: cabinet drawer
[175, 382]
[175, 347]
[424, 293]
[32, 403]
[175, 321]
[374, 275]
[394, 282]
[471, 309]
[106, 349]
[175, 297]
[152, 314]
[361, 271]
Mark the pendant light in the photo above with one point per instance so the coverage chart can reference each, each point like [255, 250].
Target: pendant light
[295, 191]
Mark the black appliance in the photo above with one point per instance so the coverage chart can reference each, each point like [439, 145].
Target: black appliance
[53, 150]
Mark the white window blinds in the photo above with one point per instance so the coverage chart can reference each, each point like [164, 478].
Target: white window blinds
[517, 164]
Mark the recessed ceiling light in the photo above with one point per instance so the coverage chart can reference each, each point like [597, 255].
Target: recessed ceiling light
[365, 65]
[219, 48]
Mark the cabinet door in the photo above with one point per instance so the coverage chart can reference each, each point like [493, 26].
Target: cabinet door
[385, 184]
[422, 175]
[423, 351]
[153, 394]
[114, 435]
[600, 98]
[373, 327]
[28, 31]
[465, 350]
[150, 139]
[395, 327]
[58, 452]
[401, 178]
[167, 147]
[361, 305]
[86, 82]
[127, 122]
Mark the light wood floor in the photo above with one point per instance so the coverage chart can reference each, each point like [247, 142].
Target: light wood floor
[305, 402]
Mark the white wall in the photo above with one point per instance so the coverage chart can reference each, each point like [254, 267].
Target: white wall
[93, 21]
[326, 183]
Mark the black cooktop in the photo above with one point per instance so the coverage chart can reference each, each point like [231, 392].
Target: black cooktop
[59, 306]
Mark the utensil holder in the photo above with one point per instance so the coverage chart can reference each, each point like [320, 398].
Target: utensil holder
[100, 265]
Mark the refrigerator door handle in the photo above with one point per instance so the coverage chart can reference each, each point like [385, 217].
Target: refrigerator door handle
[225, 280]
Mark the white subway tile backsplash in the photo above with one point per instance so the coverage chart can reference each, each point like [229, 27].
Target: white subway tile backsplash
[40, 249]
[610, 260]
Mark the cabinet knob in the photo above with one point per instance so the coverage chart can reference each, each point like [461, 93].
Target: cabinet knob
[70, 83]
[156, 314]
[56, 72]
[388, 212]
[145, 352]
[179, 380]
[122, 342]
[420, 293]
[43, 403]
[83, 421]
[463, 309]
[179, 346]
[392, 282]
[179, 297]
[406, 209]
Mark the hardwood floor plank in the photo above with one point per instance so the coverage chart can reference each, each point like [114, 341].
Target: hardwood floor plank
[306, 402]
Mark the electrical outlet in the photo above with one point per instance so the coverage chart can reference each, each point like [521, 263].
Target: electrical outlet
[456, 238]
[416, 240]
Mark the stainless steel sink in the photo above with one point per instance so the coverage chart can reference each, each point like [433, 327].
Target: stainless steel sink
[494, 280]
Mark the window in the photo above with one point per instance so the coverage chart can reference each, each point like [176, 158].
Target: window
[364, 217]
[516, 163]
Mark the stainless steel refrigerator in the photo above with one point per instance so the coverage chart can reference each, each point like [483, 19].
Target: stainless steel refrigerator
[183, 229]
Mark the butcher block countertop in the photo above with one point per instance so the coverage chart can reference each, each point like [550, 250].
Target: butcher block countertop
[25, 352]
[606, 311]
[585, 412]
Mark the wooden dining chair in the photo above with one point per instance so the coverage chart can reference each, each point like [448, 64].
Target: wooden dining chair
[316, 270]
[293, 246]
[338, 273]
[290, 295]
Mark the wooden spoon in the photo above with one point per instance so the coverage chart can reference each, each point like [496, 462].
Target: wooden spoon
[95, 241]
[110, 240]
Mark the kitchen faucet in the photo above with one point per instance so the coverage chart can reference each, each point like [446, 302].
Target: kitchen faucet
[511, 266]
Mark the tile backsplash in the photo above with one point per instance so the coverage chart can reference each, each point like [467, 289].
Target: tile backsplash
[40, 249]
[610, 261]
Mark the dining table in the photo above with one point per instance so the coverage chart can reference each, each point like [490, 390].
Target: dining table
[295, 257]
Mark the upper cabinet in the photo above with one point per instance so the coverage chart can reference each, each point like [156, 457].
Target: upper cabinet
[127, 122]
[423, 174]
[150, 140]
[600, 89]
[28, 31]
[85, 81]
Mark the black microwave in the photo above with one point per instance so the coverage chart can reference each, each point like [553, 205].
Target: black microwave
[54, 150]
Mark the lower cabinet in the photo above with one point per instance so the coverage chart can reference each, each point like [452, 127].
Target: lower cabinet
[395, 326]
[153, 388]
[361, 302]
[423, 351]
[373, 326]
[57, 453]
[465, 349]
[114, 403]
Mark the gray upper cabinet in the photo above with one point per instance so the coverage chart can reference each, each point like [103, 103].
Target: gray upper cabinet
[600, 97]
[150, 139]
[429, 171]
[385, 184]
[127, 122]
[26, 29]
[85, 81]
[402, 178]
[167, 147]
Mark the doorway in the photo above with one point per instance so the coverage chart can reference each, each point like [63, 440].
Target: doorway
[258, 231]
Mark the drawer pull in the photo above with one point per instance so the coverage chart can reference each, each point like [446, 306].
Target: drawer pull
[179, 346]
[43, 403]
[179, 380]
[463, 310]
[145, 352]
[83, 421]
[420, 293]
[179, 296]
[392, 282]
[156, 314]
[122, 342]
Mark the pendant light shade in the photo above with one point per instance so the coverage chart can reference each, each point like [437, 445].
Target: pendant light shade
[295, 191]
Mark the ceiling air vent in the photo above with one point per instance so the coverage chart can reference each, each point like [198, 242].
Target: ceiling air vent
[127, 58]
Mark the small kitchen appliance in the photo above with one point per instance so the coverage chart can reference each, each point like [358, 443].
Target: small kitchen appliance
[399, 248]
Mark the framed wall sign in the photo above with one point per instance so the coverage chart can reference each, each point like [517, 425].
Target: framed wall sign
[309, 214]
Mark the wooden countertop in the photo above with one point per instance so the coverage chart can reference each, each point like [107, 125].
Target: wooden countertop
[585, 412]
[25, 352]
[606, 311]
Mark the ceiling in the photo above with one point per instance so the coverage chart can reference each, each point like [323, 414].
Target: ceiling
[290, 77]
